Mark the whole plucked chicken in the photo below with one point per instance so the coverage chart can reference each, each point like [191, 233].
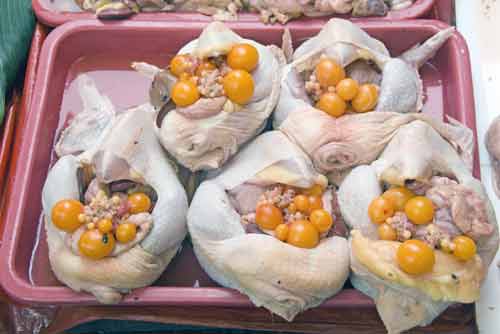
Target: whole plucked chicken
[237, 252]
[102, 156]
[206, 133]
[364, 59]
[419, 158]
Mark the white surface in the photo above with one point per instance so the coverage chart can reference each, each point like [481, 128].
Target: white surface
[479, 22]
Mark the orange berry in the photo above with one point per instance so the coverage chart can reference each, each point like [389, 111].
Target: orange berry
[65, 215]
[126, 232]
[179, 65]
[321, 220]
[281, 232]
[185, 93]
[465, 248]
[399, 197]
[243, 57]
[302, 234]
[347, 89]
[415, 257]
[315, 203]
[366, 99]
[380, 209]
[420, 210]
[332, 104]
[105, 225]
[96, 245]
[301, 203]
[238, 86]
[139, 202]
[268, 216]
[329, 73]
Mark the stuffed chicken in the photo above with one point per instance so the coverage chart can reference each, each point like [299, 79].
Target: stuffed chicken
[114, 208]
[260, 215]
[270, 10]
[345, 70]
[216, 95]
[423, 229]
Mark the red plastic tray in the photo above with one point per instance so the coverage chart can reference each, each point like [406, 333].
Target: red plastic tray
[19, 103]
[54, 18]
[7, 133]
[26, 275]
[11, 132]
[444, 10]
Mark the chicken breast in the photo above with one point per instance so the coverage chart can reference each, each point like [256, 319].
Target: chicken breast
[450, 279]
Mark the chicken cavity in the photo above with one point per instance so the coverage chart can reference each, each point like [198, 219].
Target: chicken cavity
[279, 196]
[115, 208]
[246, 197]
[364, 72]
[458, 210]
[210, 82]
[314, 89]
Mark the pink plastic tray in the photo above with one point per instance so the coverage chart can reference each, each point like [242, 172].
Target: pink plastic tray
[443, 10]
[85, 46]
[51, 17]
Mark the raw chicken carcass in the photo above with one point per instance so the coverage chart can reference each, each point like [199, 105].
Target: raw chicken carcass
[119, 9]
[415, 153]
[206, 134]
[127, 149]
[336, 145]
[259, 265]
[270, 10]
[400, 88]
